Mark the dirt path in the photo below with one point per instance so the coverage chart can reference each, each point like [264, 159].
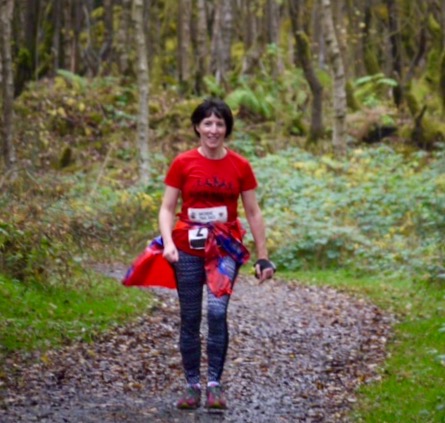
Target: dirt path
[296, 354]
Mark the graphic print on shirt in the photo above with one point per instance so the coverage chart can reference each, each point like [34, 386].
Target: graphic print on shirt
[214, 190]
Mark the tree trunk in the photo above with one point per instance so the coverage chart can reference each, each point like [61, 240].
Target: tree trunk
[421, 50]
[372, 65]
[201, 47]
[442, 21]
[184, 44]
[90, 56]
[339, 19]
[142, 73]
[150, 29]
[77, 29]
[221, 40]
[313, 29]
[396, 50]
[57, 25]
[106, 50]
[251, 59]
[272, 34]
[355, 55]
[303, 54]
[226, 34]
[6, 12]
[124, 37]
[26, 64]
[68, 36]
[339, 88]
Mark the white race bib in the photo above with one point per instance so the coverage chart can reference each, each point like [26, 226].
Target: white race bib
[208, 214]
[197, 238]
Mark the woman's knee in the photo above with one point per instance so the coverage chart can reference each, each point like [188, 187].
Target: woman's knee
[217, 314]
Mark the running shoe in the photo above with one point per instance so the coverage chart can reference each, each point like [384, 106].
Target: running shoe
[191, 399]
[216, 399]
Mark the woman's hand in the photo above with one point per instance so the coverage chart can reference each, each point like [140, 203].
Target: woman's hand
[166, 219]
[264, 269]
[170, 253]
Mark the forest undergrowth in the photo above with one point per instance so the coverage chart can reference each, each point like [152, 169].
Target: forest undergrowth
[372, 224]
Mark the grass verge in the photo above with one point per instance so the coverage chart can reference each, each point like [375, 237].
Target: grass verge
[36, 317]
[412, 388]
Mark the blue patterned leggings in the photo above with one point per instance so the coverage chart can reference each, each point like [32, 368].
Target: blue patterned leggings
[190, 275]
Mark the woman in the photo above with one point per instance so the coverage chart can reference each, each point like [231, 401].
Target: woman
[205, 244]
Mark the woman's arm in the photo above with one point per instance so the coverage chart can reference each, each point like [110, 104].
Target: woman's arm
[166, 221]
[258, 229]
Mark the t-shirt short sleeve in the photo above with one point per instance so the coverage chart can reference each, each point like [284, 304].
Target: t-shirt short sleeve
[248, 181]
[174, 175]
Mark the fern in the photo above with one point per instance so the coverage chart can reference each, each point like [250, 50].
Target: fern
[235, 98]
[255, 102]
[78, 82]
[213, 86]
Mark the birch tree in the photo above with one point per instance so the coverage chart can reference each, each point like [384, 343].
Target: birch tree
[221, 39]
[142, 76]
[339, 86]
[6, 9]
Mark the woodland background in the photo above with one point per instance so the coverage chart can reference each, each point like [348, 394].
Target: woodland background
[345, 99]
[339, 106]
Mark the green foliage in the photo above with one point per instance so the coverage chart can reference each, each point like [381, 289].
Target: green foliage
[370, 90]
[434, 28]
[442, 81]
[351, 101]
[432, 65]
[24, 58]
[213, 87]
[375, 212]
[73, 112]
[276, 101]
[77, 82]
[371, 62]
[412, 103]
[36, 317]
[48, 229]
[257, 104]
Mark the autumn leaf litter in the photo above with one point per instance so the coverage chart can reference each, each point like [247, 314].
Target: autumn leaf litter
[297, 354]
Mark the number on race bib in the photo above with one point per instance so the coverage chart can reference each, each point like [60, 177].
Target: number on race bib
[197, 238]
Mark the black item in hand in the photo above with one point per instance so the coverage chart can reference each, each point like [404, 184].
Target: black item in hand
[264, 264]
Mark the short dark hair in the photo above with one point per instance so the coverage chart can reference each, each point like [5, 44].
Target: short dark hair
[213, 106]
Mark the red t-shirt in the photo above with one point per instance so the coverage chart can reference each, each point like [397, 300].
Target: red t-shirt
[210, 189]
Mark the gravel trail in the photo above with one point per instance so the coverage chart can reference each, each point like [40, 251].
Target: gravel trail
[296, 354]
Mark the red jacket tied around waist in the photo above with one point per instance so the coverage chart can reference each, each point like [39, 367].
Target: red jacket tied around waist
[151, 269]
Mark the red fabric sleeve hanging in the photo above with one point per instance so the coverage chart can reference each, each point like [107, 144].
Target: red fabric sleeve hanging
[151, 269]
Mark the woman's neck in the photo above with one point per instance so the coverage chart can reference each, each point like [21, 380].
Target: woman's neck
[216, 154]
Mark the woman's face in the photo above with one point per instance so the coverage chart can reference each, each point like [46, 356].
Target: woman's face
[212, 131]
